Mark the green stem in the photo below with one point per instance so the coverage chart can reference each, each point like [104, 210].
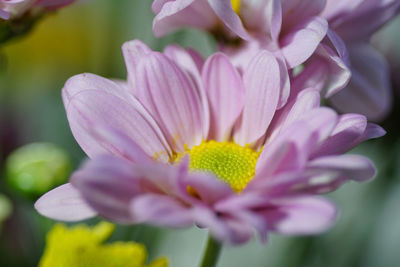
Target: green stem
[211, 254]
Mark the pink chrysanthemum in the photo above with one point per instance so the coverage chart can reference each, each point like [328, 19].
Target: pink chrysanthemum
[292, 29]
[188, 142]
[298, 32]
[15, 8]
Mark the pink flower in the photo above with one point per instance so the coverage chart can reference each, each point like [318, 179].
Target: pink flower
[297, 31]
[369, 91]
[291, 28]
[15, 8]
[188, 142]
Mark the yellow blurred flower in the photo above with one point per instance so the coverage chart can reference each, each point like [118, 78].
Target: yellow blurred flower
[83, 246]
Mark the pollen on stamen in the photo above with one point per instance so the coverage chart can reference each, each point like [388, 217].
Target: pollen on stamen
[230, 162]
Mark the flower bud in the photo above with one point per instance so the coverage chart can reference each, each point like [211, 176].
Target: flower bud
[35, 168]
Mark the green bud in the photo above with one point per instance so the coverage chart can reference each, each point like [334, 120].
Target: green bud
[36, 168]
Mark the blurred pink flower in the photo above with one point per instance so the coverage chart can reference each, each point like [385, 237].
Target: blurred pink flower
[298, 32]
[291, 28]
[369, 91]
[15, 8]
[188, 142]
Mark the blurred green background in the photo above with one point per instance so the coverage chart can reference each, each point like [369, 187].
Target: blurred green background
[87, 37]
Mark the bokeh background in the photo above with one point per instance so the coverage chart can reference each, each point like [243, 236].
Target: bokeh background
[87, 37]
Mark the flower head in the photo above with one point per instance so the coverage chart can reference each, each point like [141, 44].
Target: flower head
[84, 246]
[188, 142]
[330, 37]
[291, 28]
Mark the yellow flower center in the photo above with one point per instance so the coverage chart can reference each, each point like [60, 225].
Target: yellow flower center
[236, 5]
[230, 162]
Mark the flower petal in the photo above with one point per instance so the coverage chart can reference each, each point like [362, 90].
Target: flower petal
[275, 15]
[64, 203]
[300, 43]
[349, 129]
[262, 83]
[335, 7]
[172, 99]
[224, 10]
[328, 69]
[301, 216]
[108, 184]
[352, 167]
[297, 105]
[291, 149]
[176, 14]
[192, 63]
[359, 26]
[287, 152]
[87, 82]
[206, 188]
[121, 145]
[161, 210]
[369, 90]
[96, 108]
[133, 52]
[295, 11]
[225, 91]
[321, 121]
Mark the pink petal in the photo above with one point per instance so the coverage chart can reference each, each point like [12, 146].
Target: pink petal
[64, 203]
[121, 145]
[223, 9]
[90, 82]
[295, 11]
[161, 210]
[172, 99]
[133, 52]
[344, 137]
[96, 108]
[276, 185]
[192, 63]
[362, 22]
[208, 188]
[275, 15]
[298, 105]
[179, 13]
[328, 70]
[287, 151]
[336, 8]
[290, 152]
[321, 122]
[372, 131]
[224, 229]
[158, 4]
[301, 216]
[108, 184]
[300, 43]
[205, 217]
[285, 82]
[262, 84]
[352, 167]
[225, 91]
[369, 90]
